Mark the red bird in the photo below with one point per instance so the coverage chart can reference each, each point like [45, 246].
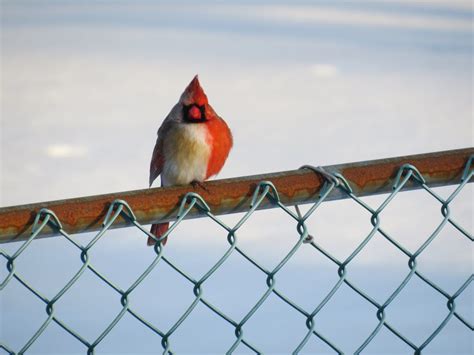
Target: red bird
[192, 145]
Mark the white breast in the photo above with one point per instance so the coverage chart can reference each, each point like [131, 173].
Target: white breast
[186, 150]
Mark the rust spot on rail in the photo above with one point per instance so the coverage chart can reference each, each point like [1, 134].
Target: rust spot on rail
[438, 167]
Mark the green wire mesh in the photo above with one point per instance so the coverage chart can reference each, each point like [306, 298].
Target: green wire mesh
[264, 190]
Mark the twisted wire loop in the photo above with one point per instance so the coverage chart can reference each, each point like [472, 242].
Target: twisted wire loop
[265, 190]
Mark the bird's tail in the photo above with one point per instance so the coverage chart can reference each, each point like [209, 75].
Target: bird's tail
[158, 230]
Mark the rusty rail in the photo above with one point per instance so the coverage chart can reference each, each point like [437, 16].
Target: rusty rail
[86, 214]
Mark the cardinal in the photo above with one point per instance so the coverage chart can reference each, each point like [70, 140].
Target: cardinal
[192, 145]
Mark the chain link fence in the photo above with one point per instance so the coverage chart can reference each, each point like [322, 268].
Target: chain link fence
[264, 191]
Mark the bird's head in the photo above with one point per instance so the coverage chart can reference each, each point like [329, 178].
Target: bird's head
[196, 108]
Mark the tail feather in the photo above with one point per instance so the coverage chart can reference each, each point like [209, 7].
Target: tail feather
[158, 230]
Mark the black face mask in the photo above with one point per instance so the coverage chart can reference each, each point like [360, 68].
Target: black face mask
[189, 113]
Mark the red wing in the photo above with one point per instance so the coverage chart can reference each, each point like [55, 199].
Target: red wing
[222, 144]
[157, 161]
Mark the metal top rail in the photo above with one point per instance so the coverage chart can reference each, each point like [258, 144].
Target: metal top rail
[300, 186]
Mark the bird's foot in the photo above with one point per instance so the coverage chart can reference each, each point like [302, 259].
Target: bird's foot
[196, 183]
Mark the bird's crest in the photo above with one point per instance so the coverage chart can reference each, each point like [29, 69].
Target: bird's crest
[194, 94]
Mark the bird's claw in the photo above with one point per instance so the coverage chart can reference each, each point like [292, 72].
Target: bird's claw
[196, 183]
